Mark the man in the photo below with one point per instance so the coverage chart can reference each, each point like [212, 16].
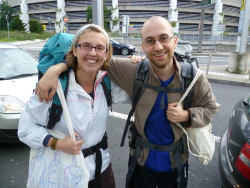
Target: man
[156, 125]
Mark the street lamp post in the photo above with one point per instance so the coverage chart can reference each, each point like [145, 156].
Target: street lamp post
[204, 3]
[49, 22]
[240, 60]
[201, 28]
[97, 12]
[8, 26]
[243, 27]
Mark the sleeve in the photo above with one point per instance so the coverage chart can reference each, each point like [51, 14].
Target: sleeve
[119, 95]
[122, 72]
[65, 62]
[204, 105]
[46, 140]
[32, 122]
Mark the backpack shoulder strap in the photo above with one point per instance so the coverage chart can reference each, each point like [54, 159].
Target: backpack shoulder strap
[106, 85]
[188, 71]
[141, 78]
[56, 107]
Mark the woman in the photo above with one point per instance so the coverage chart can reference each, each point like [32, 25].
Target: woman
[88, 57]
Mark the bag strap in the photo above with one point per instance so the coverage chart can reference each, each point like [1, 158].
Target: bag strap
[65, 110]
[56, 108]
[190, 86]
[199, 72]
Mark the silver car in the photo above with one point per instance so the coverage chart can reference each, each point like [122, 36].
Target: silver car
[18, 77]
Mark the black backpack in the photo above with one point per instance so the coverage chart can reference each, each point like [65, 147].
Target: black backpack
[189, 68]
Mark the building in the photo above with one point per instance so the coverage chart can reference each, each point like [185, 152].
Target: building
[221, 18]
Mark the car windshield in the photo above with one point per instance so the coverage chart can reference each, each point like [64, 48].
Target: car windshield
[114, 41]
[15, 62]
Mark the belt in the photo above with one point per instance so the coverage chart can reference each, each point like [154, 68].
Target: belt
[103, 144]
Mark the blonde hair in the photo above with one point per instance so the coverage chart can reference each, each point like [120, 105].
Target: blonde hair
[72, 60]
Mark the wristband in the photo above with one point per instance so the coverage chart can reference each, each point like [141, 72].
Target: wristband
[53, 143]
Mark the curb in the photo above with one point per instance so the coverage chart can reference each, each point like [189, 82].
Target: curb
[212, 54]
[230, 82]
[26, 42]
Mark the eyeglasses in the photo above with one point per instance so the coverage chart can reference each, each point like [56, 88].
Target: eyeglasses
[163, 39]
[88, 47]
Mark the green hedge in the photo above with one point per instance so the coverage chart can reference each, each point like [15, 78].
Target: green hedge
[35, 26]
[22, 35]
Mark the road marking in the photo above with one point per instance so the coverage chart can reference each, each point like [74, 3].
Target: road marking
[217, 139]
[27, 48]
[124, 116]
[118, 115]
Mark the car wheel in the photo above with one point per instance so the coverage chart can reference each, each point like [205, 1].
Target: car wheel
[125, 51]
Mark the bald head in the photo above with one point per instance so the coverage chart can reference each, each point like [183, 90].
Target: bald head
[152, 23]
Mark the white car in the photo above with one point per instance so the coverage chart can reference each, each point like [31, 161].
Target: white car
[18, 77]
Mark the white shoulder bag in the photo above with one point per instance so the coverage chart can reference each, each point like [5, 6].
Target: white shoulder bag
[53, 168]
[200, 141]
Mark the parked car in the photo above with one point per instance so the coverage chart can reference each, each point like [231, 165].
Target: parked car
[234, 150]
[123, 49]
[18, 77]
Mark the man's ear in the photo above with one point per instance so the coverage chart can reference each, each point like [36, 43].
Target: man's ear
[175, 39]
[142, 46]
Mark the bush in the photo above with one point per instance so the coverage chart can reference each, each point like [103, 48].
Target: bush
[22, 35]
[17, 25]
[35, 26]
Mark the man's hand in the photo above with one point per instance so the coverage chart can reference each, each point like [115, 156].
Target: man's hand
[47, 85]
[177, 114]
[136, 58]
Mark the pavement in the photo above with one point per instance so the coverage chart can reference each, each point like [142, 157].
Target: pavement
[220, 74]
[214, 73]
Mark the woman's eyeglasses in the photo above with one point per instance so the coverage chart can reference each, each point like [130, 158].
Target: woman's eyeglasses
[88, 47]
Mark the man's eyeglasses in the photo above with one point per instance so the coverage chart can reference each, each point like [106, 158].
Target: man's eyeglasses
[88, 47]
[163, 39]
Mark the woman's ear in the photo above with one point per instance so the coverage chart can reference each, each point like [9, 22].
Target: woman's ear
[74, 51]
[106, 56]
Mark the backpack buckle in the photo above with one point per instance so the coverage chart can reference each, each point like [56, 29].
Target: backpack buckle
[158, 147]
[138, 83]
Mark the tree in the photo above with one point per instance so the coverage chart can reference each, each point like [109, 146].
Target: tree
[17, 25]
[106, 12]
[35, 26]
[5, 9]
[89, 14]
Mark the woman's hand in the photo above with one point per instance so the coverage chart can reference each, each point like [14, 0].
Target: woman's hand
[136, 58]
[68, 145]
[177, 114]
[47, 85]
